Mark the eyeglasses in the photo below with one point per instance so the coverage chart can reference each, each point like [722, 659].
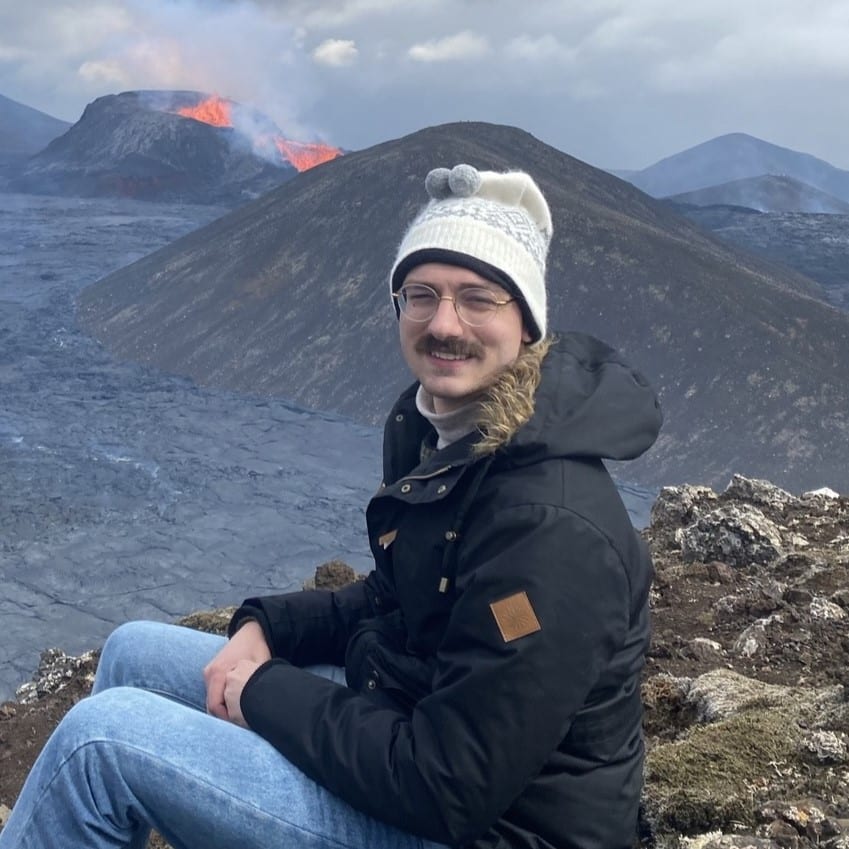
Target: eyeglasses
[473, 306]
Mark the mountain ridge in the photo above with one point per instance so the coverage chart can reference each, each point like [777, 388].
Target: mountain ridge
[736, 156]
[288, 296]
[767, 193]
[24, 130]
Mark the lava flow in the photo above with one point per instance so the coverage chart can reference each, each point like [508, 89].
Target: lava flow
[214, 110]
[218, 112]
[304, 155]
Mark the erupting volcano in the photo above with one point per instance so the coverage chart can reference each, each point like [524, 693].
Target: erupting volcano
[220, 112]
[184, 146]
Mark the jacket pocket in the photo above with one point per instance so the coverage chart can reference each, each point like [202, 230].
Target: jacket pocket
[377, 662]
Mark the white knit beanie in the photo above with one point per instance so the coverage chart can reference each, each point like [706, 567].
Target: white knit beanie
[496, 224]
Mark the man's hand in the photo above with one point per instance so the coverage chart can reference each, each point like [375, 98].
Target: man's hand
[234, 683]
[247, 644]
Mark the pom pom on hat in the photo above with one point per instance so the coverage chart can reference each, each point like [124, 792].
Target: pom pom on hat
[436, 183]
[464, 181]
[461, 181]
[496, 224]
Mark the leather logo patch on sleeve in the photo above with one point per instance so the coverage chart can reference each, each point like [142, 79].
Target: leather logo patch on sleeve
[515, 616]
[385, 540]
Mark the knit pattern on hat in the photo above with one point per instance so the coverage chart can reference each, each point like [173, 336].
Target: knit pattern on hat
[501, 219]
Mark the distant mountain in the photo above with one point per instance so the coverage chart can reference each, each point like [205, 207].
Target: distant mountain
[766, 194]
[288, 296]
[169, 146]
[737, 156]
[25, 131]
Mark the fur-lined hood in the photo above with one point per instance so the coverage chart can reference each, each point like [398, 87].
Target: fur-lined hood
[570, 395]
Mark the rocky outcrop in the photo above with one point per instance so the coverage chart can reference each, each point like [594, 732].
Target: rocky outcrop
[745, 689]
[55, 671]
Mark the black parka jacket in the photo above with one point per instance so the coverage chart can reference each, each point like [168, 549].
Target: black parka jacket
[493, 655]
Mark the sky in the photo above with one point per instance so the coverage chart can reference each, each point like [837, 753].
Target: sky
[619, 84]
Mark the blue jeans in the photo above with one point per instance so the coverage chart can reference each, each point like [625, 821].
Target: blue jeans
[142, 753]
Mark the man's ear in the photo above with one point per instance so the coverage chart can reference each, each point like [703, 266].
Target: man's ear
[526, 337]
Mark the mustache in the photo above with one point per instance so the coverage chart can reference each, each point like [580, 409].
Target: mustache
[455, 347]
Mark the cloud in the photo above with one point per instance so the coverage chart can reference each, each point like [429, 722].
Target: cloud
[614, 81]
[331, 14]
[81, 49]
[543, 48]
[799, 46]
[10, 53]
[108, 73]
[84, 30]
[336, 52]
[462, 46]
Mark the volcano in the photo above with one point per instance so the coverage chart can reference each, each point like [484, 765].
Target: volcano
[183, 146]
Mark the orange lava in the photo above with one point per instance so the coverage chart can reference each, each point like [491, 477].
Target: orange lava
[305, 155]
[214, 110]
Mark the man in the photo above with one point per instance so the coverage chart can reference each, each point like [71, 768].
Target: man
[492, 657]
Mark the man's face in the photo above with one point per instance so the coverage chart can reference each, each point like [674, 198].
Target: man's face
[453, 361]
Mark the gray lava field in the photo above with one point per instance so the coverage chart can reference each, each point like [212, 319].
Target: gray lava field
[126, 493]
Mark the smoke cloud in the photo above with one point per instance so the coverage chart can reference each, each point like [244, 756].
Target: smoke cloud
[239, 50]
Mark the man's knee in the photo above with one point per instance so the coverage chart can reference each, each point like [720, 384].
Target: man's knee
[100, 718]
[123, 651]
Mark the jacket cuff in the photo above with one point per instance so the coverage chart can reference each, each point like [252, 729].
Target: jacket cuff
[251, 682]
[247, 613]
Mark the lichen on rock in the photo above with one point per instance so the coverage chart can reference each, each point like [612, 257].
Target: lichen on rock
[738, 535]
